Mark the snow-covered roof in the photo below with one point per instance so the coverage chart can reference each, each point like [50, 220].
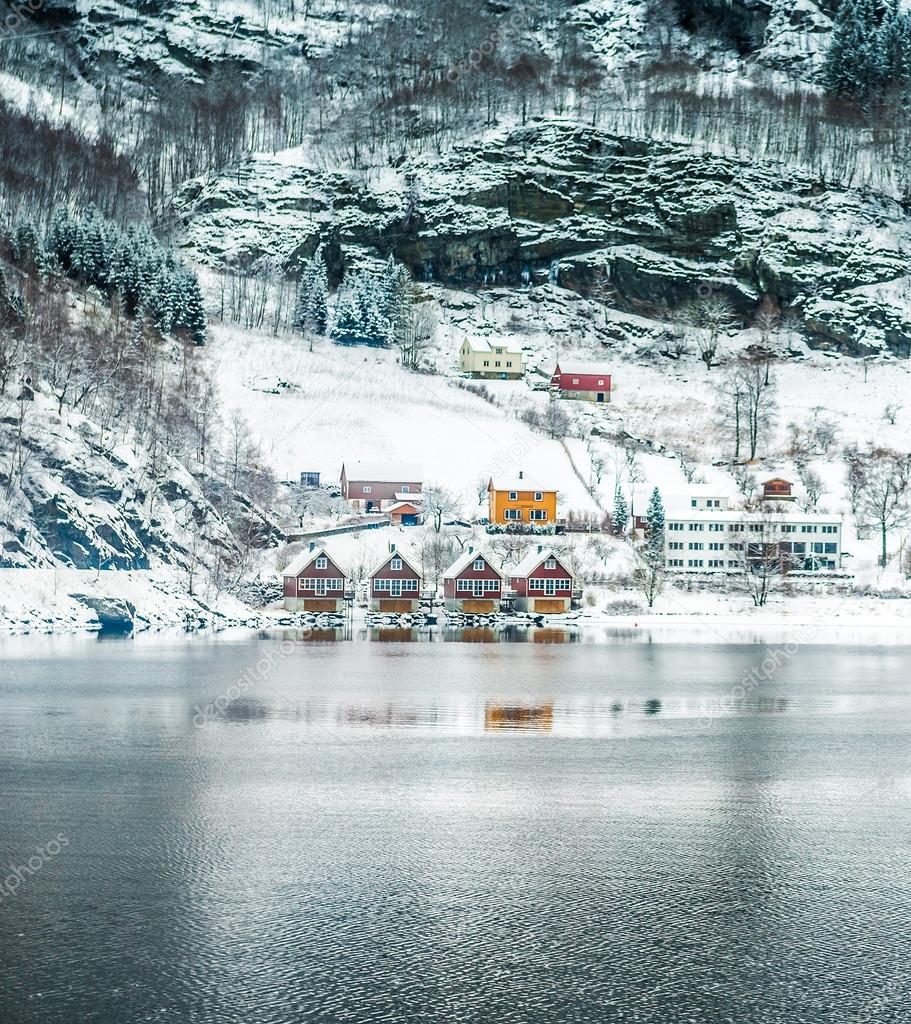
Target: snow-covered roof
[301, 561]
[533, 559]
[382, 472]
[416, 496]
[464, 560]
[401, 504]
[692, 515]
[390, 555]
[584, 369]
[483, 345]
[518, 483]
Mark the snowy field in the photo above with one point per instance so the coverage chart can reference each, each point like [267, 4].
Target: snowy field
[358, 404]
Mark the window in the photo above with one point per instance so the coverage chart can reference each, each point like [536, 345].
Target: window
[715, 503]
[737, 527]
[789, 528]
[675, 545]
[830, 529]
[695, 563]
[675, 526]
[550, 563]
[477, 588]
[321, 563]
[755, 527]
[716, 546]
[693, 502]
[487, 362]
[513, 495]
[697, 527]
[695, 547]
[478, 565]
[539, 496]
[406, 489]
[539, 514]
[513, 513]
[498, 351]
[509, 362]
[396, 586]
[367, 489]
[575, 380]
[601, 383]
[716, 527]
[497, 362]
[808, 529]
[716, 563]
[396, 564]
[675, 563]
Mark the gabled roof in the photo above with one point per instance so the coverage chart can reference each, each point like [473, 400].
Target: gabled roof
[484, 345]
[300, 562]
[464, 560]
[533, 559]
[399, 505]
[382, 472]
[396, 554]
[517, 483]
[584, 369]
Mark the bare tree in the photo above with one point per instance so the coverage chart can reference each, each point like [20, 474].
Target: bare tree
[439, 504]
[883, 496]
[707, 317]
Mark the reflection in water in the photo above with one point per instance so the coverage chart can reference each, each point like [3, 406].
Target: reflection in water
[393, 634]
[431, 833]
[473, 635]
[541, 719]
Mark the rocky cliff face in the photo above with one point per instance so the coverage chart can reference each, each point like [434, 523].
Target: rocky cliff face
[656, 222]
[73, 497]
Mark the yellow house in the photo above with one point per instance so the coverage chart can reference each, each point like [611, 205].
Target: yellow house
[520, 501]
[495, 360]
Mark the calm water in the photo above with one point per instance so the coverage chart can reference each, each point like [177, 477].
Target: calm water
[452, 832]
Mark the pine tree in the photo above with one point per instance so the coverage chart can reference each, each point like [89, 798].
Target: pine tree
[346, 322]
[852, 66]
[61, 239]
[654, 517]
[312, 312]
[620, 517]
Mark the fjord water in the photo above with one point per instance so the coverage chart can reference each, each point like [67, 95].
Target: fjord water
[453, 832]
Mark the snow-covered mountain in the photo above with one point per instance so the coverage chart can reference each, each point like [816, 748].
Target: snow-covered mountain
[573, 175]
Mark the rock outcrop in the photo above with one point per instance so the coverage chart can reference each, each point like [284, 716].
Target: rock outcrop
[558, 201]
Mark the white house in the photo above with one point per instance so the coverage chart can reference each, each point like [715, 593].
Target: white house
[724, 540]
[496, 360]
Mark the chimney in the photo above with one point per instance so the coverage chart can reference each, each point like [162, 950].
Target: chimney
[392, 549]
[521, 475]
[312, 545]
[540, 548]
[471, 551]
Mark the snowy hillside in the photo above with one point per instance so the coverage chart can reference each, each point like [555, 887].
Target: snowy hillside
[694, 194]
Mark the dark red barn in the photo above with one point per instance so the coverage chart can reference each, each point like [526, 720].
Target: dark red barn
[313, 582]
[472, 585]
[585, 381]
[542, 583]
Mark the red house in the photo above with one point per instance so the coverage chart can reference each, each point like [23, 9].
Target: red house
[314, 583]
[374, 486]
[472, 585]
[777, 489]
[542, 583]
[587, 382]
[395, 585]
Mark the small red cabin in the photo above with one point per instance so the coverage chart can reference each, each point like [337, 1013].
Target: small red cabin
[472, 585]
[777, 489]
[313, 582]
[395, 585]
[542, 583]
[585, 381]
[374, 486]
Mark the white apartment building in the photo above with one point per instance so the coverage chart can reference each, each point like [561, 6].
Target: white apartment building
[722, 540]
